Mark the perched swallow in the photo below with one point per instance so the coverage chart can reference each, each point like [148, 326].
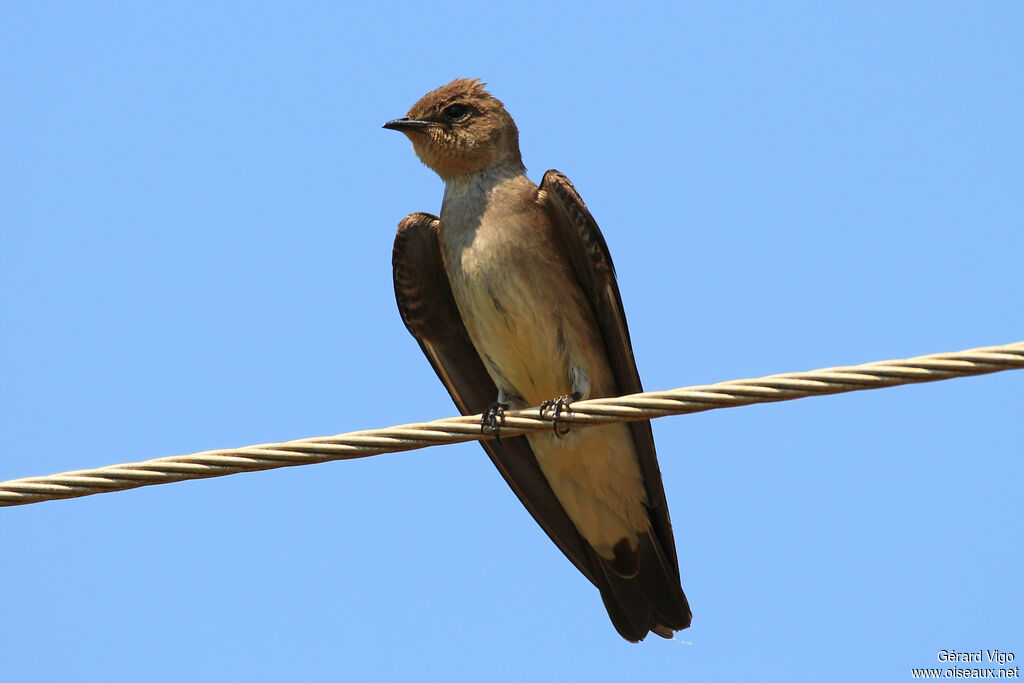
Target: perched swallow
[512, 296]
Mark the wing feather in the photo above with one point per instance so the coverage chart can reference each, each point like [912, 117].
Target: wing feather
[587, 251]
[428, 310]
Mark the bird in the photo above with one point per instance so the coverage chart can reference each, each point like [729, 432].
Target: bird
[512, 296]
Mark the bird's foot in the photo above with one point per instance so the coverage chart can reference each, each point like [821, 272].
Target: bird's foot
[493, 418]
[557, 406]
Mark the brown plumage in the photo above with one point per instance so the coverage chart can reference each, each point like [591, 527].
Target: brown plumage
[486, 137]
[512, 296]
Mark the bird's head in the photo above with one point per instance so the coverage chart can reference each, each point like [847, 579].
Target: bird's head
[460, 129]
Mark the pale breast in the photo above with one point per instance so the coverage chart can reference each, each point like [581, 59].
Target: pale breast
[514, 312]
[515, 295]
[532, 325]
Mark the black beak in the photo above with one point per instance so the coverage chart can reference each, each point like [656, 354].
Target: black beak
[405, 123]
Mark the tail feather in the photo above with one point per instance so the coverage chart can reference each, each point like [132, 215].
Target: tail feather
[626, 604]
[659, 582]
[651, 600]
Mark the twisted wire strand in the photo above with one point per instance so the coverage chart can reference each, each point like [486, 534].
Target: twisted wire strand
[632, 407]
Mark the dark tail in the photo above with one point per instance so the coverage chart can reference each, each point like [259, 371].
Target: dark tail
[650, 601]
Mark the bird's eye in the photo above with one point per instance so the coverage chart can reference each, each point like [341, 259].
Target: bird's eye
[456, 112]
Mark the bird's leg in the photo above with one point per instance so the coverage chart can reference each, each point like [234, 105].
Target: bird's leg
[557, 406]
[580, 381]
[494, 416]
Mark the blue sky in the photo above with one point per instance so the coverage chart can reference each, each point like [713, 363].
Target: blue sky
[197, 206]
